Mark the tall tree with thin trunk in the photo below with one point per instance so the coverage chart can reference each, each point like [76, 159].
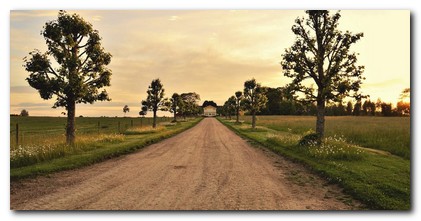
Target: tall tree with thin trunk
[254, 99]
[175, 105]
[73, 68]
[238, 99]
[155, 100]
[321, 53]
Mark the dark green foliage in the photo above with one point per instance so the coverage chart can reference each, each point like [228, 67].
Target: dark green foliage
[190, 104]
[229, 107]
[81, 71]
[349, 108]
[274, 99]
[176, 105]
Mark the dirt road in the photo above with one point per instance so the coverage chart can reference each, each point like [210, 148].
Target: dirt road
[207, 167]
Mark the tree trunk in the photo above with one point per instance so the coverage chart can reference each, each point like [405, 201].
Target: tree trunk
[154, 120]
[70, 127]
[320, 122]
[253, 120]
[175, 116]
[238, 116]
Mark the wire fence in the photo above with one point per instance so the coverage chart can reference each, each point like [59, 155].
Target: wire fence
[25, 133]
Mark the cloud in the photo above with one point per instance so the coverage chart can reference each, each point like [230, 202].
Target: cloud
[30, 104]
[22, 90]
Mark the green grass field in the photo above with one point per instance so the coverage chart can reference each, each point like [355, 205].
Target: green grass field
[34, 130]
[42, 148]
[349, 155]
[390, 134]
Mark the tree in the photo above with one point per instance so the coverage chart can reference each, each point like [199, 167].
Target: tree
[254, 99]
[238, 104]
[357, 109]
[349, 108]
[321, 53]
[79, 70]
[190, 106]
[369, 108]
[230, 106]
[126, 109]
[386, 109]
[406, 93]
[273, 105]
[403, 107]
[144, 110]
[379, 105]
[24, 113]
[155, 100]
[340, 110]
[175, 105]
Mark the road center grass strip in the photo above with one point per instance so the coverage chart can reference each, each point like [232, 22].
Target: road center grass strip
[102, 152]
[381, 182]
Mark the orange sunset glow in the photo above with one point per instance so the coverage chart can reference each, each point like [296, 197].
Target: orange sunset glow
[210, 52]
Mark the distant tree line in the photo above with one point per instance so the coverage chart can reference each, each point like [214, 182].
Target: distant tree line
[280, 102]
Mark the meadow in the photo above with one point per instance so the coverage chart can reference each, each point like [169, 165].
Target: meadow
[368, 156]
[391, 134]
[41, 144]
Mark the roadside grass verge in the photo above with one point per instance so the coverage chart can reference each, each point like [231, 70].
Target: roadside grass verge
[90, 151]
[380, 181]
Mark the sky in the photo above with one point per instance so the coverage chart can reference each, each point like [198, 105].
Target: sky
[210, 52]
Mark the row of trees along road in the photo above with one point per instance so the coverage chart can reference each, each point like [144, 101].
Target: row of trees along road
[74, 69]
[185, 104]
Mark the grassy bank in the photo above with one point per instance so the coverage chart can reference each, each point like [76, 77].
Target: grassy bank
[378, 179]
[94, 149]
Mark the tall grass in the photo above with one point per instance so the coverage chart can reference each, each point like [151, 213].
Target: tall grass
[43, 138]
[47, 149]
[390, 134]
